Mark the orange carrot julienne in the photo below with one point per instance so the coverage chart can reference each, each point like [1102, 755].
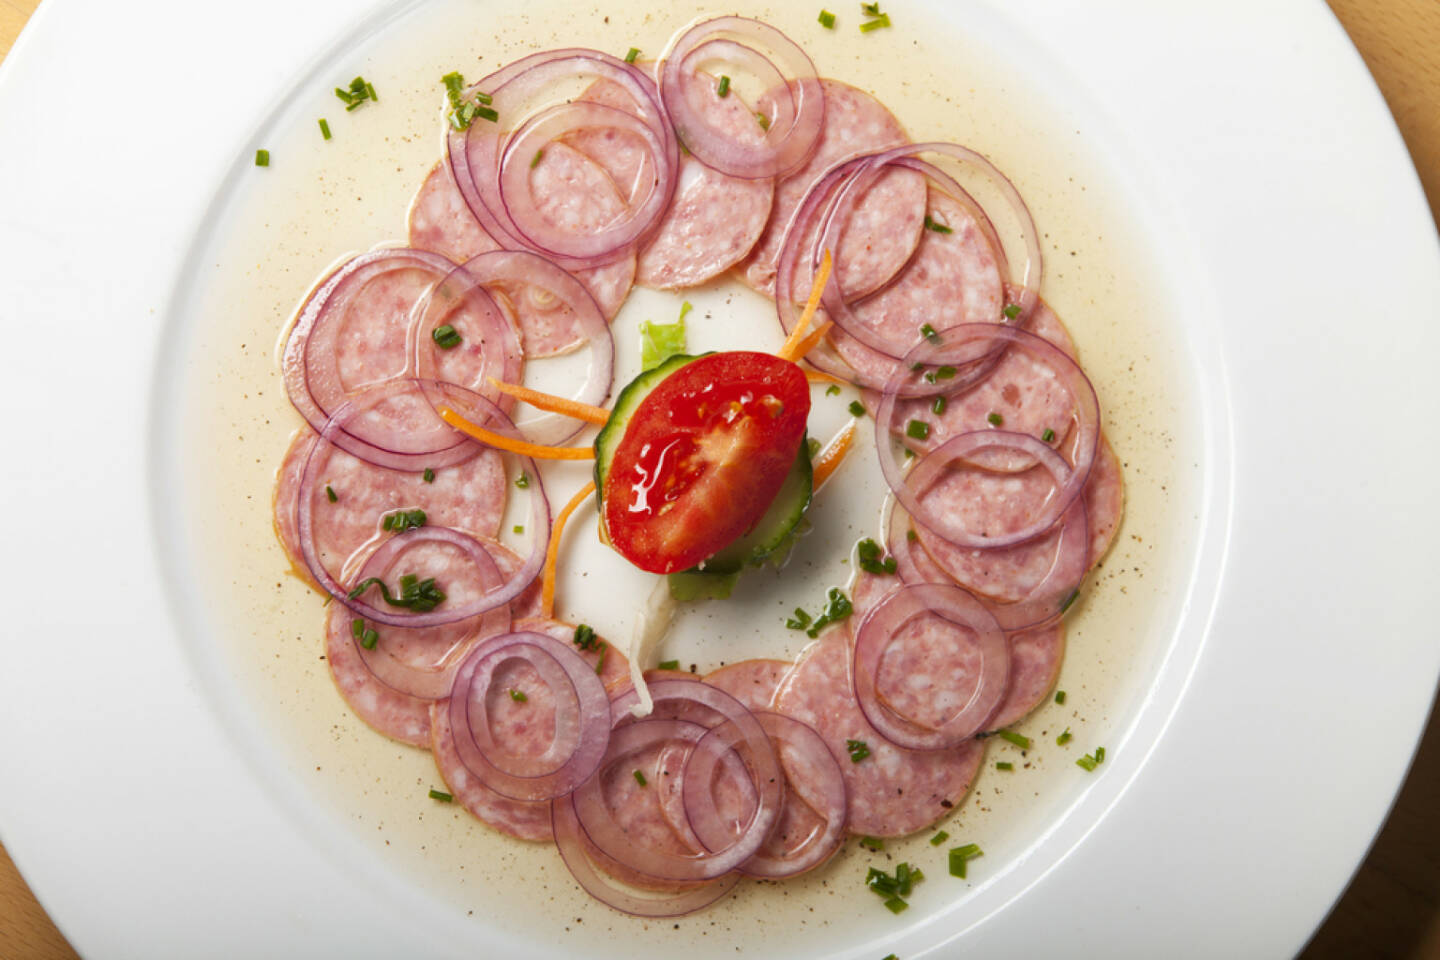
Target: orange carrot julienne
[552, 403]
[547, 576]
[797, 336]
[834, 452]
[812, 341]
[523, 447]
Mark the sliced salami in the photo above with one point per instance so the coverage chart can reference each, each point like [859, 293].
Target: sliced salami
[528, 820]
[440, 221]
[885, 226]
[891, 791]
[468, 496]
[752, 682]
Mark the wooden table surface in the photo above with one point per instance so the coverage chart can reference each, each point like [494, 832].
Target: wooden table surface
[1392, 907]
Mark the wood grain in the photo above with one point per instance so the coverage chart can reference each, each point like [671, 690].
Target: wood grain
[1392, 907]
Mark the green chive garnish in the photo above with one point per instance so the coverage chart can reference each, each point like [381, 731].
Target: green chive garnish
[518, 528]
[422, 596]
[1048, 435]
[640, 778]
[895, 904]
[872, 843]
[871, 9]
[1011, 311]
[325, 128]
[441, 795]
[858, 750]
[428, 476]
[1089, 762]
[928, 332]
[262, 158]
[402, 520]
[917, 429]
[1010, 736]
[1004, 765]
[935, 225]
[357, 628]
[763, 120]
[445, 337]
[911, 535]
[585, 637]
[330, 493]
[600, 660]
[723, 88]
[634, 52]
[369, 638]
[870, 557]
[827, 19]
[669, 665]
[1064, 738]
[881, 21]
[833, 390]
[1074, 594]
[535, 160]
[518, 696]
[945, 373]
[960, 855]
[995, 419]
[939, 838]
[857, 409]
[800, 621]
[1059, 696]
[938, 406]
[522, 481]
[487, 113]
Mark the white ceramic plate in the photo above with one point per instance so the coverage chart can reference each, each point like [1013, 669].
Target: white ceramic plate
[154, 815]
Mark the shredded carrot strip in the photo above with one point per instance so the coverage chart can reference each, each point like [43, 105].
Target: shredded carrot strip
[834, 452]
[552, 403]
[523, 447]
[819, 376]
[797, 336]
[547, 576]
[812, 341]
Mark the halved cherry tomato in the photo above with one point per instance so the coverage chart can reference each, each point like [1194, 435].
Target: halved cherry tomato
[702, 457]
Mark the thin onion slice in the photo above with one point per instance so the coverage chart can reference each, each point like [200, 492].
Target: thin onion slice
[480, 156]
[885, 621]
[502, 269]
[956, 347]
[539, 522]
[797, 107]
[582, 722]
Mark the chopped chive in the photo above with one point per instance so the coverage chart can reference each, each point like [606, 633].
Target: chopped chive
[858, 750]
[446, 337]
[800, 621]
[872, 843]
[262, 158]
[1048, 435]
[640, 778]
[936, 225]
[668, 665]
[535, 160]
[1064, 738]
[939, 405]
[911, 535]
[330, 493]
[518, 696]
[345, 96]
[369, 638]
[857, 409]
[891, 957]
[600, 660]
[995, 419]
[441, 795]
[723, 88]
[371, 91]
[585, 637]
[1059, 696]
[1099, 754]
[939, 838]
[881, 21]
[827, 19]
[522, 481]
[1004, 765]
[812, 445]
[1068, 601]
[487, 113]
[895, 904]
[357, 628]
[945, 372]
[871, 9]
[833, 390]
[917, 429]
[325, 128]
[402, 520]
[1087, 763]
[1011, 311]
[1010, 736]
[928, 332]
[518, 528]
[763, 120]
[634, 52]
[959, 856]
[483, 97]
[428, 476]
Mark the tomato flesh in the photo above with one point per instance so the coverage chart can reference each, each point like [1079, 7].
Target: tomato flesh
[702, 458]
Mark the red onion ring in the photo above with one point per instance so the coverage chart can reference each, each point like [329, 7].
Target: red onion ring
[630, 735]
[1072, 550]
[539, 520]
[958, 346]
[480, 156]
[580, 858]
[428, 683]
[582, 728]
[315, 387]
[798, 106]
[522, 267]
[879, 628]
[827, 797]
